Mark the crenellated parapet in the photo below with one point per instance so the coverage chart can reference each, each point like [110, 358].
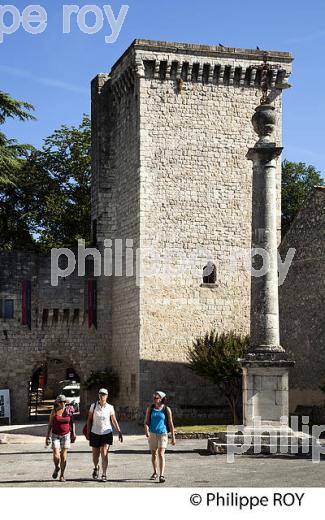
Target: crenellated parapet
[199, 64]
[238, 75]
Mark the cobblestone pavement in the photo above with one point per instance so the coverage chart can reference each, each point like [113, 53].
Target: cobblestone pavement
[29, 464]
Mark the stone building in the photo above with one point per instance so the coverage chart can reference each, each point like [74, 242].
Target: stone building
[171, 195]
[45, 330]
[302, 302]
[172, 126]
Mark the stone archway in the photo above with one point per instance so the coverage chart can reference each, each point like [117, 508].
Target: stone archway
[46, 381]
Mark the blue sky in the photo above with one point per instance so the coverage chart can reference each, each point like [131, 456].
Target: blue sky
[53, 70]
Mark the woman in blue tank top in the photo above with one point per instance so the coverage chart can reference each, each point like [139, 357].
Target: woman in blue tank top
[158, 422]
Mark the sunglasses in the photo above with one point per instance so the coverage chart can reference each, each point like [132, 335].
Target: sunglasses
[156, 396]
[102, 393]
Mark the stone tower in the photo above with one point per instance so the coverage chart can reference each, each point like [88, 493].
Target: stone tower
[171, 129]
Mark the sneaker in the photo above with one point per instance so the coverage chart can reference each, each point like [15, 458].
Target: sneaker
[96, 472]
[162, 479]
[104, 478]
[56, 472]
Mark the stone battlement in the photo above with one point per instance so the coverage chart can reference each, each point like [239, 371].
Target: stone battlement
[205, 64]
[212, 51]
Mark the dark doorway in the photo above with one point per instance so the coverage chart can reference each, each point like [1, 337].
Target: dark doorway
[36, 390]
[49, 380]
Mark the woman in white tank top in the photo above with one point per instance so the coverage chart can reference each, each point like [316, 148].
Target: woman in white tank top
[101, 418]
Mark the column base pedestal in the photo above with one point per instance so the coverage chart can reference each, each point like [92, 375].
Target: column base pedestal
[266, 388]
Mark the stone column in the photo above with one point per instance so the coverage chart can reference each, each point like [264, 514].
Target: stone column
[266, 364]
[265, 367]
[264, 289]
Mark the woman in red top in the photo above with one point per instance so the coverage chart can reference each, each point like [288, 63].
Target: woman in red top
[60, 429]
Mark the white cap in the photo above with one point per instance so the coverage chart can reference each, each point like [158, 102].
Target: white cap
[103, 391]
[162, 394]
[61, 398]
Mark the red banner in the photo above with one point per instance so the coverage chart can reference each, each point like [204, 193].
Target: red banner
[26, 308]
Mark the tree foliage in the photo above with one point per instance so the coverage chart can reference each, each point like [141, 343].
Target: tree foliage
[48, 204]
[13, 227]
[14, 108]
[107, 378]
[298, 181]
[215, 356]
[64, 205]
[12, 154]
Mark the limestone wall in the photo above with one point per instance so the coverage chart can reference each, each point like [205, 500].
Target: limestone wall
[116, 207]
[59, 331]
[302, 297]
[196, 197]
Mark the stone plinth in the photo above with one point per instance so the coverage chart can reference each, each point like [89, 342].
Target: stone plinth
[265, 394]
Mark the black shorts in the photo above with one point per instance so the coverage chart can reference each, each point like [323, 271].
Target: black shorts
[96, 441]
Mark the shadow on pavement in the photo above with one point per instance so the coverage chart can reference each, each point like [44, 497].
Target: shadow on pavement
[147, 452]
[282, 456]
[94, 482]
[144, 481]
[47, 453]
[39, 430]
[28, 481]
[202, 452]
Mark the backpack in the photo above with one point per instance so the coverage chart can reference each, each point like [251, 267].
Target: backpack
[69, 410]
[166, 416]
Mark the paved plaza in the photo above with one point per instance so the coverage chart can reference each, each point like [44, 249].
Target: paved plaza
[24, 462]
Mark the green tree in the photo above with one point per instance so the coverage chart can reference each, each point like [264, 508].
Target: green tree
[107, 378]
[298, 181]
[12, 153]
[64, 207]
[14, 108]
[215, 356]
[13, 228]
[20, 206]
[48, 205]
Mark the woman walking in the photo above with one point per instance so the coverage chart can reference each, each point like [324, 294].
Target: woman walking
[158, 421]
[101, 418]
[61, 433]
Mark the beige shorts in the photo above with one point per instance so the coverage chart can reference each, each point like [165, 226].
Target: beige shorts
[158, 440]
[61, 442]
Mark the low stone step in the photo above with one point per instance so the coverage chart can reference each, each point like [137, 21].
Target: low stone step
[277, 438]
[216, 448]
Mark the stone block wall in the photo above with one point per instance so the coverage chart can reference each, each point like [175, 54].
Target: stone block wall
[196, 200]
[302, 297]
[116, 206]
[59, 335]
